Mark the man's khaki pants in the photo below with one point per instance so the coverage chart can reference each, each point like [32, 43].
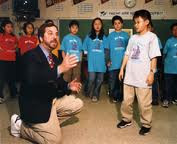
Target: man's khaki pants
[144, 97]
[50, 132]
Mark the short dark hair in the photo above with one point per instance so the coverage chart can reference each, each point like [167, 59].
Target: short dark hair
[117, 18]
[4, 23]
[172, 26]
[49, 21]
[144, 14]
[73, 22]
[25, 25]
[42, 28]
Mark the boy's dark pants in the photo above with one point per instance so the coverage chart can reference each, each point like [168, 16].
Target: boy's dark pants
[170, 87]
[115, 86]
[8, 75]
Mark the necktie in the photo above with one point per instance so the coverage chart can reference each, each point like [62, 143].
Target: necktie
[51, 62]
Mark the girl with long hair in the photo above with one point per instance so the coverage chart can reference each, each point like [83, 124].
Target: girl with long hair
[94, 46]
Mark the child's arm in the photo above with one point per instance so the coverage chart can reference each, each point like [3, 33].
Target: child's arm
[150, 78]
[124, 63]
[63, 54]
[81, 55]
[107, 57]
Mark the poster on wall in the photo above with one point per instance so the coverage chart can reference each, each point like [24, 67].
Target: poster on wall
[103, 1]
[77, 1]
[127, 14]
[174, 2]
[3, 1]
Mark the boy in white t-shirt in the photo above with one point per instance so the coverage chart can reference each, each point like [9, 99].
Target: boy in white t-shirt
[140, 62]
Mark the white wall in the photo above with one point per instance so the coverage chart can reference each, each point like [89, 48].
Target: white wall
[66, 10]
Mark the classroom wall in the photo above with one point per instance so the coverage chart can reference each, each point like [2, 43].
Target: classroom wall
[88, 9]
[163, 14]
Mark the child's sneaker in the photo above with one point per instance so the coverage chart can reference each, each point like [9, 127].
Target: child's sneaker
[114, 100]
[174, 102]
[15, 125]
[165, 104]
[144, 130]
[94, 99]
[123, 124]
[2, 100]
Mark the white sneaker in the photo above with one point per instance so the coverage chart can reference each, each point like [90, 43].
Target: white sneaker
[2, 100]
[15, 125]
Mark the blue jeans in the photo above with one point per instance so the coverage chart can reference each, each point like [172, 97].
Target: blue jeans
[155, 87]
[170, 87]
[115, 86]
[95, 80]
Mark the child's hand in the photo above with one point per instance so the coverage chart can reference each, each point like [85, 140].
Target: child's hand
[121, 74]
[150, 79]
[109, 64]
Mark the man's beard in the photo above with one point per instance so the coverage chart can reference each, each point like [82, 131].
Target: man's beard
[51, 44]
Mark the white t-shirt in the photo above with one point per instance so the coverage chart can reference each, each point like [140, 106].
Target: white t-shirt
[140, 50]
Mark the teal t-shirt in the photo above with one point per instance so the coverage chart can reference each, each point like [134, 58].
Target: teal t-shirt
[117, 43]
[170, 50]
[95, 53]
[72, 44]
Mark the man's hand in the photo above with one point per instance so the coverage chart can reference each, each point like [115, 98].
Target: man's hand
[150, 79]
[69, 62]
[75, 86]
[121, 74]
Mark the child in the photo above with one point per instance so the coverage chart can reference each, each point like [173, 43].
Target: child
[29, 40]
[8, 43]
[117, 42]
[94, 45]
[140, 62]
[170, 68]
[72, 44]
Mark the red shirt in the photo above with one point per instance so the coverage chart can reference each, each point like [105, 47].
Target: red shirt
[27, 43]
[8, 45]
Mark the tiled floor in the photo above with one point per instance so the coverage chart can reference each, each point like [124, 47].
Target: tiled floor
[96, 124]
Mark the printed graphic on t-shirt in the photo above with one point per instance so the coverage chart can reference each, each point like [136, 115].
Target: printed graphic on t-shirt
[74, 46]
[136, 52]
[29, 44]
[10, 45]
[119, 43]
[97, 47]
